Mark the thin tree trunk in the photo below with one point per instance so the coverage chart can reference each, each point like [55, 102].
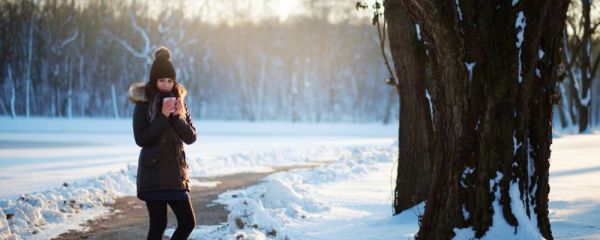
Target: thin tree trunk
[3, 106]
[114, 100]
[563, 107]
[387, 116]
[13, 96]
[28, 81]
[81, 92]
[70, 93]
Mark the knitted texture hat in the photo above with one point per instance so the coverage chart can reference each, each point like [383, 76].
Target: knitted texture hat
[162, 67]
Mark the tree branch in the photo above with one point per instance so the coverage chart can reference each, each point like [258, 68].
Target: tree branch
[69, 39]
[144, 53]
[381, 34]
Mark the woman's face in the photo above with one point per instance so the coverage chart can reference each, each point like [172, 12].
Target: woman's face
[165, 84]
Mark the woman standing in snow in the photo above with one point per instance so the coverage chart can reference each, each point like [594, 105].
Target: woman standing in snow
[161, 124]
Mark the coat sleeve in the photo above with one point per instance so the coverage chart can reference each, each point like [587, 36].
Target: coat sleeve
[147, 133]
[184, 127]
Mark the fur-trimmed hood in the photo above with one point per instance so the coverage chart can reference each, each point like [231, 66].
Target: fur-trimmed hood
[137, 92]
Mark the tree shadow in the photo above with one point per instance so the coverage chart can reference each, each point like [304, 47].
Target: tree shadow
[574, 172]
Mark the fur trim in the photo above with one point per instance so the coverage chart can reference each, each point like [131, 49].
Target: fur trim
[182, 91]
[137, 92]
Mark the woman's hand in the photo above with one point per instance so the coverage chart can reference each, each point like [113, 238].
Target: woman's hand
[167, 108]
[180, 108]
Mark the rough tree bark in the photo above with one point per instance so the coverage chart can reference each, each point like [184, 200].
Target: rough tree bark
[415, 130]
[494, 66]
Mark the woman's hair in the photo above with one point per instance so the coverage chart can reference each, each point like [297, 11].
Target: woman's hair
[151, 90]
[161, 68]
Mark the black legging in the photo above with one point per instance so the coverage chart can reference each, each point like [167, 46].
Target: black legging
[157, 210]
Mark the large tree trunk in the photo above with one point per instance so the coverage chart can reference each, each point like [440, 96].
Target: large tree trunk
[494, 68]
[414, 162]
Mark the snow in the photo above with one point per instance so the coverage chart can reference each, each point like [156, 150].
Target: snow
[467, 171]
[418, 30]
[470, 66]
[42, 215]
[500, 229]
[516, 143]
[76, 163]
[574, 182]
[62, 150]
[352, 199]
[586, 101]
[349, 198]
[541, 53]
[577, 84]
[460, 16]
[430, 104]
[520, 24]
[195, 182]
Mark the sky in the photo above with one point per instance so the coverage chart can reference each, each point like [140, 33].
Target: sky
[231, 11]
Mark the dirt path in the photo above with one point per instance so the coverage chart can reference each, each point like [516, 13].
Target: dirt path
[129, 218]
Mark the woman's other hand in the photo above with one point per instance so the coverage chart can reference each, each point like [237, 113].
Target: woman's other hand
[179, 108]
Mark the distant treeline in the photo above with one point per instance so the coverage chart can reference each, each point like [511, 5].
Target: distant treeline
[61, 59]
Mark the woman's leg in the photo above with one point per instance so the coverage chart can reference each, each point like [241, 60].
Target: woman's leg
[186, 221]
[157, 211]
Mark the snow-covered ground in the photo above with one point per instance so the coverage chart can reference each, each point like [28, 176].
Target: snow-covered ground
[58, 173]
[351, 199]
[38, 153]
[575, 187]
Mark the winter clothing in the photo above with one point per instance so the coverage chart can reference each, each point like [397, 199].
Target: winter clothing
[157, 210]
[162, 67]
[164, 195]
[161, 164]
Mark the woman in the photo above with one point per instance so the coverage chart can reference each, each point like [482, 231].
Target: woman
[159, 127]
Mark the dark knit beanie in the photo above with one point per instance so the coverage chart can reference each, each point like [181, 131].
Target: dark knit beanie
[162, 67]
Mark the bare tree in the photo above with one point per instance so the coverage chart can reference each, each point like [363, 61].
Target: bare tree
[581, 67]
[81, 53]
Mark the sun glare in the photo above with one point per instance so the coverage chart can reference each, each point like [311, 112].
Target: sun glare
[285, 8]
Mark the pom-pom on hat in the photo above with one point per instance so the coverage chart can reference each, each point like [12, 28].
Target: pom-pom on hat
[162, 67]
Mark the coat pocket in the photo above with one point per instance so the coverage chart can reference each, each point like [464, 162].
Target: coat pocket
[149, 156]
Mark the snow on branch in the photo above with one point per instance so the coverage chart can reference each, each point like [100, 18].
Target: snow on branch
[145, 51]
[69, 39]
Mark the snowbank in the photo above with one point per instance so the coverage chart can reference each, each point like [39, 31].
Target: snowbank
[265, 210]
[261, 161]
[41, 215]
